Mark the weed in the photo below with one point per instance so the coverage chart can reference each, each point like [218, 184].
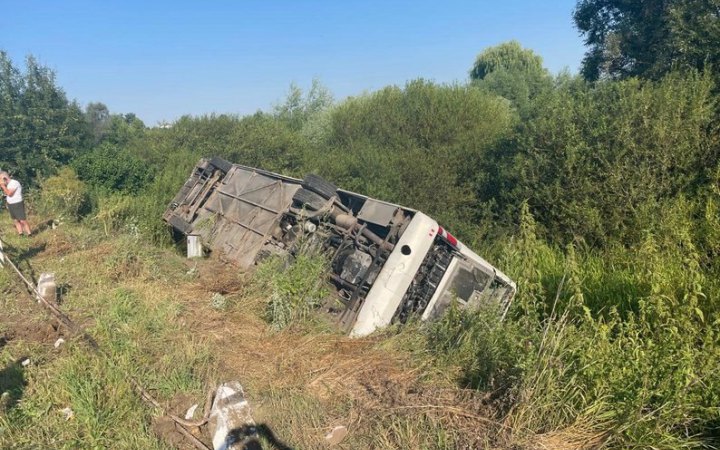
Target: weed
[295, 288]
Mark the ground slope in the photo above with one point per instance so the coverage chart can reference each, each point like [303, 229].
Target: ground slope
[159, 317]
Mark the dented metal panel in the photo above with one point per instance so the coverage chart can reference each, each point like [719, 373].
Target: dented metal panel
[248, 205]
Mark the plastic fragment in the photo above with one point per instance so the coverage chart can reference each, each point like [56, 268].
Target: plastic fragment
[59, 342]
[67, 413]
[25, 362]
[191, 412]
[337, 435]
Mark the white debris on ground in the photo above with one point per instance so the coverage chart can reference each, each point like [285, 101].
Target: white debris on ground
[230, 412]
[59, 342]
[67, 413]
[191, 412]
[336, 435]
[47, 288]
[25, 362]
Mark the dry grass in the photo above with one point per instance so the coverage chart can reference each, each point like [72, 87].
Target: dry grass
[153, 310]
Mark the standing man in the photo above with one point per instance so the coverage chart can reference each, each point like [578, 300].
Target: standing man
[15, 204]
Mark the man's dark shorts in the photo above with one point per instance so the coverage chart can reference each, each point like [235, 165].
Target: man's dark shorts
[17, 210]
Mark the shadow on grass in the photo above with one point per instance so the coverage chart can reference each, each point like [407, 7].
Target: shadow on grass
[12, 384]
[251, 437]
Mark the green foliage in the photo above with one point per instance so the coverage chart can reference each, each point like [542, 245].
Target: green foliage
[40, 129]
[297, 110]
[257, 140]
[509, 56]
[64, 196]
[489, 352]
[110, 168]
[622, 346]
[596, 162]
[295, 287]
[420, 146]
[647, 39]
[512, 72]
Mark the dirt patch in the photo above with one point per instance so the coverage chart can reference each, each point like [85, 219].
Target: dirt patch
[168, 431]
[335, 369]
[214, 275]
[26, 328]
[58, 244]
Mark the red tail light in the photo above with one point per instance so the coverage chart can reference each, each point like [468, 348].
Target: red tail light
[447, 236]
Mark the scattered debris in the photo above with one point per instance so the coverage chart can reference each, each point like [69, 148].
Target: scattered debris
[47, 288]
[191, 412]
[67, 413]
[337, 435]
[59, 342]
[230, 412]
[5, 400]
[25, 362]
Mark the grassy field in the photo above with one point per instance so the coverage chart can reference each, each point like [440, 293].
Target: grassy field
[181, 327]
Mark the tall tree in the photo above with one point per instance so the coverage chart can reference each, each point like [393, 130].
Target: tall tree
[98, 117]
[647, 38]
[39, 128]
[695, 25]
[298, 109]
[511, 71]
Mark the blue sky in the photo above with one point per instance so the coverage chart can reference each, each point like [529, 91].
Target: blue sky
[164, 59]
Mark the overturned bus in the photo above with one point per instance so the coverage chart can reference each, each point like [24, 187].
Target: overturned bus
[388, 262]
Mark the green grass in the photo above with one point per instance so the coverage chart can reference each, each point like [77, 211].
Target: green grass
[295, 287]
[621, 346]
[617, 348]
[115, 289]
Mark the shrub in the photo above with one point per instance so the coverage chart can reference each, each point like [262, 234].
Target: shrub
[110, 169]
[64, 195]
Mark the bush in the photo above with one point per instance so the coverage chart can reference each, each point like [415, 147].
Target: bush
[597, 161]
[111, 169]
[625, 351]
[64, 196]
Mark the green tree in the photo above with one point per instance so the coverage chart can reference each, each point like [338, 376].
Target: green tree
[124, 129]
[647, 37]
[599, 161]
[420, 146]
[512, 72]
[40, 129]
[112, 169]
[98, 117]
[298, 109]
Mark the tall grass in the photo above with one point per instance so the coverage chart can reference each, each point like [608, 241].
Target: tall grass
[621, 346]
[295, 287]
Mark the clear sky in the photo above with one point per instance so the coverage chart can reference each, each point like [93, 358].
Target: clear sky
[164, 59]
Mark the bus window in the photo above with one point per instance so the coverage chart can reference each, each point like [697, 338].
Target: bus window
[468, 281]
